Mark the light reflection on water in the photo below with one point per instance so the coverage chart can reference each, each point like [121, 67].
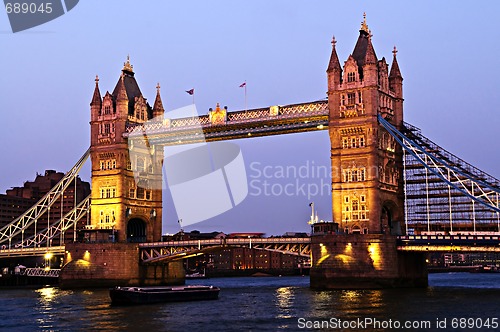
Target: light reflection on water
[264, 304]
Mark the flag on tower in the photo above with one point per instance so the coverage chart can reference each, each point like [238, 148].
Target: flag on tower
[191, 92]
[244, 84]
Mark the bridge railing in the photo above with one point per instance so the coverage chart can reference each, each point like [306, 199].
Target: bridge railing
[227, 241]
[319, 107]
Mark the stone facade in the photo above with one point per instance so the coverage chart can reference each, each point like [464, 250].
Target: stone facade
[358, 261]
[126, 173]
[114, 264]
[367, 191]
[367, 177]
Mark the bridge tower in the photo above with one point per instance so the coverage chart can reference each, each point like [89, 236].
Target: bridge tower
[126, 176]
[367, 177]
[367, 186]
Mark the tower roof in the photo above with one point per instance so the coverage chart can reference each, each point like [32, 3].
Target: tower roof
[158, 105]
[334, 63]
[127, 87]
[96, 98]
[395, 72]
[364, 51]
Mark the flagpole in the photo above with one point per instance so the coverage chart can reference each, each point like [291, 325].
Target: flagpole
[246, 95]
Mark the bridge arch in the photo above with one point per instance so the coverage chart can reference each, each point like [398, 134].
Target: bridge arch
[136, 230]
[390, 218]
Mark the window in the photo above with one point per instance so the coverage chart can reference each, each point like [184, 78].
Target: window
[113, 163]
[361, 141]
[129, 165]
[355, 208]
[342, 100]
[148, 194]
[140, 193]
[140, 164]
[351, 98]
[345, 143]
[351, 77]
[360, 97]
[107, 128]
[107, 109]
[131, 193]
[354, 174]
[361, 174]
[353, 142]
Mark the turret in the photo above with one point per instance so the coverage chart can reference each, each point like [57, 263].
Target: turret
[158, 109]
[334, 70]
[96, 103]
[396, 86]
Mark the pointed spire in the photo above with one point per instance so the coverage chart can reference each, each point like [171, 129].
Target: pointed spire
[334, 59]
[395, 67]
[96, 98]
[158, 105]
[364, 26]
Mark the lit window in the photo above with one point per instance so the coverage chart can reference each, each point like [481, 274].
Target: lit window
[345, 143]
[361, 141]
[353, 142]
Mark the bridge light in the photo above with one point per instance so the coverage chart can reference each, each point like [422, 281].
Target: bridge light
[48, 255]
[320, 126]
[86, 255]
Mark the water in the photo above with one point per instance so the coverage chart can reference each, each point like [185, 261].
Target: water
[255, 304]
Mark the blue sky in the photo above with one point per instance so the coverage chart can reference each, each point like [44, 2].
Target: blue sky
[448, 55]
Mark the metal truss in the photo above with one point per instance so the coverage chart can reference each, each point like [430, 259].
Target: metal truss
[38, 272]
[38, 251]
[173, 250]
[443, 193]
[30, 217]
[58, 228]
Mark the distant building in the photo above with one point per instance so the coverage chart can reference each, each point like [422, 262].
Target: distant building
[18, 200]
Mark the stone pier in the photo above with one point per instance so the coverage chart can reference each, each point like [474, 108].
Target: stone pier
[114, 264]
[364, 261]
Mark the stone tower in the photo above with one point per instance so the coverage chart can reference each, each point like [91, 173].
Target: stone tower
[126, 176]
[367, 194]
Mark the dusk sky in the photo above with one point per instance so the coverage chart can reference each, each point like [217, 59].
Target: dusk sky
[449, 56]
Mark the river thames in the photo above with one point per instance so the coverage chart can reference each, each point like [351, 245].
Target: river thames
[264, 304]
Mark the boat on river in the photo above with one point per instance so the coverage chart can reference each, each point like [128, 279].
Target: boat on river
[146, 295]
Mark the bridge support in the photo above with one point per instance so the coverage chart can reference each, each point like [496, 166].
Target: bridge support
[114, 264]
[364, 261]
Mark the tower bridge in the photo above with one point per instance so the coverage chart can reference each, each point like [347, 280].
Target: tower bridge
[395, 193]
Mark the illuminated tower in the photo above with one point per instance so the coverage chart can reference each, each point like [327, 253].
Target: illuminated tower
[367, 185]
[126, 177]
